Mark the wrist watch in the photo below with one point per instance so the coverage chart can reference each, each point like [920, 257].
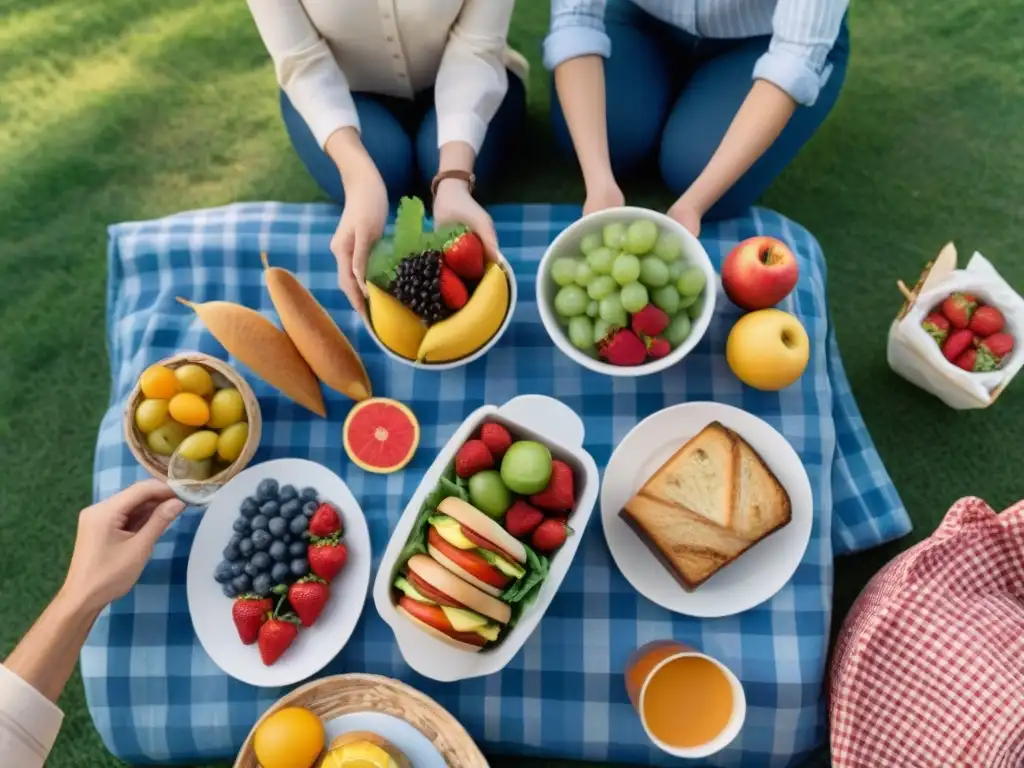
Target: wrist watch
[465, 176]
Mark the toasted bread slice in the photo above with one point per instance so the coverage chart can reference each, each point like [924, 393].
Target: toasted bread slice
[762, 504]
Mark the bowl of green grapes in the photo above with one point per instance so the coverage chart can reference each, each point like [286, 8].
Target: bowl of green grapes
[626, 291]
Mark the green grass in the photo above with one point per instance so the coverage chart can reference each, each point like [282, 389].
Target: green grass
[132, 109]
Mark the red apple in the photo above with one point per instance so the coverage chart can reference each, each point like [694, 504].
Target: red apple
[759, 273]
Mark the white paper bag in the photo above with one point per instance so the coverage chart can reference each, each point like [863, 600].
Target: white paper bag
[915, 356]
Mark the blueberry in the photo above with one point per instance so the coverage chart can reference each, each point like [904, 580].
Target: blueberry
[259, 523]
[261, 560]
[278, 550]
[279, 573]
[222, 573]
[297, 549]
[291, 508]
[262, 585]
[250, 507]
[298, 525]
[245, 547]
[251, 570]
[270, 509]
[229, 590]
[241, 525]
[236, 539]
[278, 527]
[241, 583]
[232, 553]
[237, 568]
[308, 494]
[261, 540]
[287, 538]
[266, 490]
[309, 508]
[299, 567]
[287, 493]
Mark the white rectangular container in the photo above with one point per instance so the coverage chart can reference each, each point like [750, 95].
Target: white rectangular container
[532, 417]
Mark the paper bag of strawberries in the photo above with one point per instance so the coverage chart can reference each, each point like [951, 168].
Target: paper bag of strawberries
[959, 334]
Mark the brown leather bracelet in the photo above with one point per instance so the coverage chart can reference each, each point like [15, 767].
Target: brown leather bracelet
[465, 176]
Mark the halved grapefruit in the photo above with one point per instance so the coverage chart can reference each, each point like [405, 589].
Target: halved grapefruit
[381, 435]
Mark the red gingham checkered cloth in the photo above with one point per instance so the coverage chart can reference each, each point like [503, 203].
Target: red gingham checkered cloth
[929, 668]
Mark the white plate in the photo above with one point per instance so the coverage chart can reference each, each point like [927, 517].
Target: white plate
[762, 570]
[315, 647]
[413, 744]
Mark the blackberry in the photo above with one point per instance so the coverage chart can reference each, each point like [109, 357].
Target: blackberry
[418, 286]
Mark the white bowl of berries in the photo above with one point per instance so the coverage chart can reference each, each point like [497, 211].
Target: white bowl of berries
[626, 291]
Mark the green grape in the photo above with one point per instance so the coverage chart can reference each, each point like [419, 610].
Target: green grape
[584, 274]
[592, 309]
[601, 260]
[653, 272]
[666, 298]
[695, 309]
[676, 269]
[678, 330]
[641, 236]
[633, 297]
[571, 301]
[626, 268]
[686, 301]
[563, 270]
[601, 287]
[581, 332]
[668, 247]
[615, 235]
[601, 329]
[691, 282]
[590, 243]
[611, 310]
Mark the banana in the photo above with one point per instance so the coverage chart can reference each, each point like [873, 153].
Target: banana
[472, 326]
[396, 325]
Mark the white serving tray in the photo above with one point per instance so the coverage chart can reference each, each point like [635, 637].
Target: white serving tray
[535, 417]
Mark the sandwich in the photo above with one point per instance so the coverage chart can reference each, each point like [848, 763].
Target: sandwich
[707, 505]
[364, 748]
[448, 608]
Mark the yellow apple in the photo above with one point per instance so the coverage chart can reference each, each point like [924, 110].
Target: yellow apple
[768, 349]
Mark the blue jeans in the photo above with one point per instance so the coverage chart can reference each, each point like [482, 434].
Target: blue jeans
[401, 138]
[674, 94]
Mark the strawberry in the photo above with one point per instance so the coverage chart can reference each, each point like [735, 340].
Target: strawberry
[453, 290]
[277, 633]
[521, 519]
[249, 611]
[496, 438]
[308, 597]
[560, 493]
[622, 347]
[986, 321]
[326, 557]
[957, 342]
[958, 309]
[998, 345]
[658, 347]
[473, 457]
[937, 326]
[464, 254]
[649, 321]
[550, 535]
[974, 360]
[324, 522]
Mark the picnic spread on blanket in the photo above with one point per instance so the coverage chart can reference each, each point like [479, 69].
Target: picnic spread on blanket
[592, 485]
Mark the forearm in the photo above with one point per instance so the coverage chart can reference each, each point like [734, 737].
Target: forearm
[580, 86]
[345, 148]
[759, 121]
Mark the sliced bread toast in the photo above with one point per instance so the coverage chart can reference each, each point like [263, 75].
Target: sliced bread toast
[762, 504]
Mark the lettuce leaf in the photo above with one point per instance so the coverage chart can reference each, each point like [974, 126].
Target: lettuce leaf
[417, 543]
[522, 593]
[436, 240]
[388, 252]
[381, 266]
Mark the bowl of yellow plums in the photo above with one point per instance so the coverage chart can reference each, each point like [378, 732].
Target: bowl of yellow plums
[196, 407]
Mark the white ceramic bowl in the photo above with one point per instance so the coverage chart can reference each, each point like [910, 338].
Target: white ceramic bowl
[531, 417]
[513, 296]
[568, 243]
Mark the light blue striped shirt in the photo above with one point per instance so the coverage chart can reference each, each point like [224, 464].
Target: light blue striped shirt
[803, 32]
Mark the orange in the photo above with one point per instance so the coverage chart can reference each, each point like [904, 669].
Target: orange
[381, 435]
[159, 383]
[291, 738]
[189, 409]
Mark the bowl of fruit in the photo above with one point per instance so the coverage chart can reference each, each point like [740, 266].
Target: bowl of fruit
[436, 299]
[626, 291]
[198, 404]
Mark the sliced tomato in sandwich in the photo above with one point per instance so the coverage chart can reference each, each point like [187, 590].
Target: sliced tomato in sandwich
[469, 561]
[483, 543]
[430, 592]
[433, 616]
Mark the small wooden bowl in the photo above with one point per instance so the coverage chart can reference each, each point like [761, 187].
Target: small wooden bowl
[339, 695]
[155, 464]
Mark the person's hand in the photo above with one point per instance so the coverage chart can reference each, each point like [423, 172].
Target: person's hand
[454, 204]
[362, 223]
[602, 196]
[688, 214]
[115, 539]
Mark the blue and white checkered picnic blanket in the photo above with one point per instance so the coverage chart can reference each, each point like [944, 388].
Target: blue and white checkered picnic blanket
[154, 694]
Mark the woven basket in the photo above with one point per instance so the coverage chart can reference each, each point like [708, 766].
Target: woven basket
[332, 697]
[155, 464]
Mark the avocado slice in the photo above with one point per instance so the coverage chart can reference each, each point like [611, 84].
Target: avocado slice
[402, 584]
[464, 620]
[513, 570]
[451, 531]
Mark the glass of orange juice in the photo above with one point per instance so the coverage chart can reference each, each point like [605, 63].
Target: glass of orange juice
[690, 704]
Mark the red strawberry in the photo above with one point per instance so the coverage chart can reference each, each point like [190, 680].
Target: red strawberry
[937, 326]
[958, 309]
[326, 557]
[650, 321]
[473, 457]
[276, 635]
[550, 535]
[658, 347]
[249, 612]
[308, 597]
[986, 321]
[496, 438]
[623, 347]
[521, 519]
[324, 522]
[976, 361]
[957, 342]
[560, 493]
[998, 345]
[453, 290]
[464, 253]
